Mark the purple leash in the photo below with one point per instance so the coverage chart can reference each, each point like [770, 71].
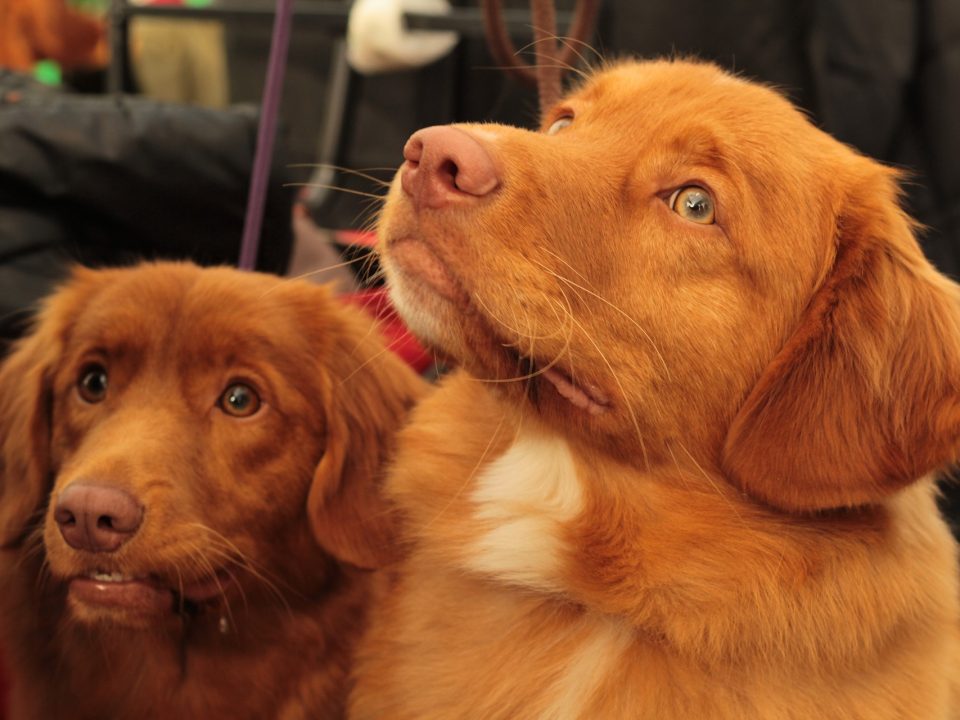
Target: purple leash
[266, 133]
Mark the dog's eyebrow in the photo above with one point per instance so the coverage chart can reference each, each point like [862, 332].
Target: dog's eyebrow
[700, 147]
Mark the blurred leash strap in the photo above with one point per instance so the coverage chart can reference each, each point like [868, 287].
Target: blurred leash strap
[552, 59]
[266, 134]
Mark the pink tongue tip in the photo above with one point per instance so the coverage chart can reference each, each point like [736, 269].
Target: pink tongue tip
[593, 402]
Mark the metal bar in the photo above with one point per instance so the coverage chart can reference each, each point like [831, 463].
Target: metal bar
[469, 21]
[332, 16]
[331, 141]
[118, 27]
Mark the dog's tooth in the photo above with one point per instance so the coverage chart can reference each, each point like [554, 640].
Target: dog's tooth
[107, 577]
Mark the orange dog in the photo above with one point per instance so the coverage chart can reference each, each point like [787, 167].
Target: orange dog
[685, 469]
[188, 496]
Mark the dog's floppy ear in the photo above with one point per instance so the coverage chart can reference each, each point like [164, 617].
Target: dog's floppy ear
[25, 409]
[864, 397]
[370, 394]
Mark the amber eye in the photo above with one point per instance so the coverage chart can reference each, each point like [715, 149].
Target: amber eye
[559, 124]
[693, 203]
[239, 400]
[92, 383]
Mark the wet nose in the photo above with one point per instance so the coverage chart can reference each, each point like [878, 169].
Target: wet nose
[444, 165]
[97, 518]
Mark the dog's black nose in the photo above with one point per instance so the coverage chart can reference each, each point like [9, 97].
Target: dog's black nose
[97, 518]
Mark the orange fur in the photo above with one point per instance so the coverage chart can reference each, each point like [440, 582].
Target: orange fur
[283, 502]
[747, 528]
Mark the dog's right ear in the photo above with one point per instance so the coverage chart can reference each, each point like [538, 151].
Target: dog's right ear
[26, 404]
[25, 408]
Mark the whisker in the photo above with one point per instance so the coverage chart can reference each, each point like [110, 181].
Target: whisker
[227, 560]
[558, 65]
[602, 299]
[349, 191]
[241, 559]
[348, 171]
[470, 476]
[479, 301]
[376, 356]
[570, 41]
[710, 480]
[623, 392]
[318, 271]
[565, 262]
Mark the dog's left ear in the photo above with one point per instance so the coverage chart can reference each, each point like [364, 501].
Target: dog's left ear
[864, 397]
[370, 395]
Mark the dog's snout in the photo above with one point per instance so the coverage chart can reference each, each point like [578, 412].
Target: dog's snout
[97, 518]
[443, 165]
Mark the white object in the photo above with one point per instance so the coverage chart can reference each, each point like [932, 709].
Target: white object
[378, 41]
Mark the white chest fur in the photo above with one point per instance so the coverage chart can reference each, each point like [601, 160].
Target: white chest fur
[524, 498]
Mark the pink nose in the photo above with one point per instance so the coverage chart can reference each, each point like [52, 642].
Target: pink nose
[97, 518]
[445, 165]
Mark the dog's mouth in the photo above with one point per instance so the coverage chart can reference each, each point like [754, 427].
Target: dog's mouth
[585, 396]
[581, 394]
[145, 594]
[424, 266]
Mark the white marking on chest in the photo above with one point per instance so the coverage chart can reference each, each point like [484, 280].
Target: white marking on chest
[525, 497]
[589, 668]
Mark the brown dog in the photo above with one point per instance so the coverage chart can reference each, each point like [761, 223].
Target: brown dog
[684, 472]
[188, 496]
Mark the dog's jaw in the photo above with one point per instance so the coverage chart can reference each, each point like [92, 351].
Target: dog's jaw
[435, 304]
[421, 288]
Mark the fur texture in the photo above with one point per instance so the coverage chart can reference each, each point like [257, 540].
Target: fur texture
[736, 519]
[279, 509]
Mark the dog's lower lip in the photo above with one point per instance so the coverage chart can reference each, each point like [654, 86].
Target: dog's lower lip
[416, 259]
[142, 594]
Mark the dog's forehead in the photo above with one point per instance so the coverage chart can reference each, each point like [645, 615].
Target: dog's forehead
[660, 95]
[187, 311]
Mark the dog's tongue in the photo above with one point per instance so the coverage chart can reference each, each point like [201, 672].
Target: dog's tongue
[593, 401]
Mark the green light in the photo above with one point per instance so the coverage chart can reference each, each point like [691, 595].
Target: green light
[48, 72]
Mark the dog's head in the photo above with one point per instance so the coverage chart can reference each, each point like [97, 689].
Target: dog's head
[169, 433]
[680, 268]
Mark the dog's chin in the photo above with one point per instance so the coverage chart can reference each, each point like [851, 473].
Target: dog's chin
[438, 309]
[139, 602]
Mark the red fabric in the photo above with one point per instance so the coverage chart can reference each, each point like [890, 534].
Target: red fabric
[377, 303]
[4, 692]
[398, 337]
[356, 237]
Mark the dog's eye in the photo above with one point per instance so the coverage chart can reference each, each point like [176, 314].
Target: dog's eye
[240, 400]
[693, 203]
[559, 124]
[92, 383]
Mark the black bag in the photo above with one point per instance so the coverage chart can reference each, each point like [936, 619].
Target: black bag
[108, 181]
